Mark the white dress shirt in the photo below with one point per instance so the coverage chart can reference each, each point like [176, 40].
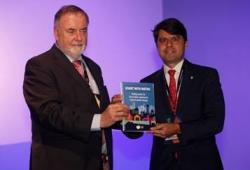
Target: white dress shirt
[177, 68]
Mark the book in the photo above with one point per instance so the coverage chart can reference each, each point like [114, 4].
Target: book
[141, 101]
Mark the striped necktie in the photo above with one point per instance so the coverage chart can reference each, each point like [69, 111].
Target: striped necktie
[81, 69]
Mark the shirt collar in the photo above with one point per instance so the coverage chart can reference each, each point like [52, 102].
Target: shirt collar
[71, 60]
[177, 68]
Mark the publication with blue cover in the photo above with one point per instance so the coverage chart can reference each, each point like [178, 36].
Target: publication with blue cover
[141, 101]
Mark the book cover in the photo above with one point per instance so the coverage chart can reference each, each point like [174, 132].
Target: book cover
[141, 101]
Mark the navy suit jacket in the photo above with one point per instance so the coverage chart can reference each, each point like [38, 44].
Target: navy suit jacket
[201, 110]
[62, 106]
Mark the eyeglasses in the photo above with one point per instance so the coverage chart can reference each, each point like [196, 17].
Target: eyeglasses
[173, 39]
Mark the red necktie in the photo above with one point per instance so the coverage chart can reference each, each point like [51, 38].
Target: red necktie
[173, 98]
[172, 91]
[105, 163]
[81, 69]
[78, 66]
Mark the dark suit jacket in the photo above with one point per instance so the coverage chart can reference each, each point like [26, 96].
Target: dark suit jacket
[62, 106]
[201, 110]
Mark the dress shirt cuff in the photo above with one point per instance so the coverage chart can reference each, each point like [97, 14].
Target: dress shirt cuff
[95, 126]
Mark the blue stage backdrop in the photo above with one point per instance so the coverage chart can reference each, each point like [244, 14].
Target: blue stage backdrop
[121, 42]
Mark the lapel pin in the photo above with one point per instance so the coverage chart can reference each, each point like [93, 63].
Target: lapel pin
[191, 77]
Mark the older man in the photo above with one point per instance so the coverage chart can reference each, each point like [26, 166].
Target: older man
[69, 104]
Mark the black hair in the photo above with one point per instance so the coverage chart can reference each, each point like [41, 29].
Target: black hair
[172, 26]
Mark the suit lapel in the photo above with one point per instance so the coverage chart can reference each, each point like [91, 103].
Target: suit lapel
[93, 72]
[186, 84]
[96, 73]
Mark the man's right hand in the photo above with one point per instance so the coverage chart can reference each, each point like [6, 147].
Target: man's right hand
[113, 113]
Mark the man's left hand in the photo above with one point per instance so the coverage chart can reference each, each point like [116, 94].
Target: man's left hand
[164, 130]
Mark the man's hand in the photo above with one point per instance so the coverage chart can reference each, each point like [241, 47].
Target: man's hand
[116, 98]
[164, 130]
[116, 111]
